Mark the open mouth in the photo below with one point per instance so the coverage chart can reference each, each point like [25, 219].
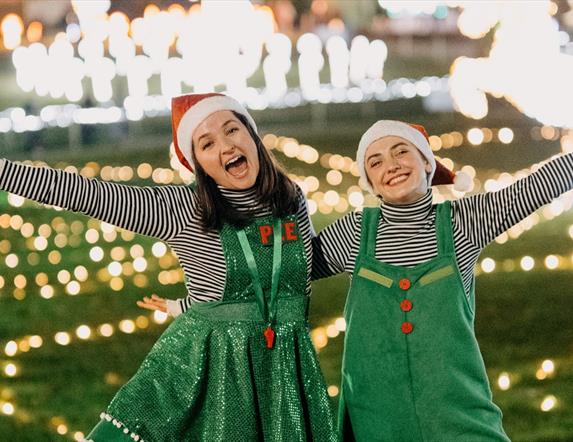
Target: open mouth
[397, 180]
[237, 166]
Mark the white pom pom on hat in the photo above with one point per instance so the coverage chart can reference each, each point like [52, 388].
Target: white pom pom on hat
[188, 111]
[417, 135]
[462, 182]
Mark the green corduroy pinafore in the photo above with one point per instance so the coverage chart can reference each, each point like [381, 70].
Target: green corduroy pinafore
[412, 370]
[211, 376]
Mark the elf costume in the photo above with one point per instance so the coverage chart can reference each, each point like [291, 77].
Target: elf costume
[239, 368]
[412, 369]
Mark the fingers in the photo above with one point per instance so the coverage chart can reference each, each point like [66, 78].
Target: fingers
[155, 300]
[147, 306]
[153, 303]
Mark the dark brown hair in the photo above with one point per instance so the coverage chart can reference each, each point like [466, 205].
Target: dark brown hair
[273, 188]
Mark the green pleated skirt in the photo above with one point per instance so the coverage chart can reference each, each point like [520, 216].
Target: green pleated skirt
[210, 377]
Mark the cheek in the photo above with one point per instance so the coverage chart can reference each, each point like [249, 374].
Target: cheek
[208, 162]
[373, 175]
[253, 154]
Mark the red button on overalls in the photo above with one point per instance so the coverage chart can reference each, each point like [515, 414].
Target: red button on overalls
[406, 305]
[404, 284]
[407, 327]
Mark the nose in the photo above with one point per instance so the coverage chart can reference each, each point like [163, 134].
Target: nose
[227, 145]
[392, 164]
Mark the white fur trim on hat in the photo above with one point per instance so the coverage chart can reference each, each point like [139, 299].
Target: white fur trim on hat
[201, 110]
[385, 128]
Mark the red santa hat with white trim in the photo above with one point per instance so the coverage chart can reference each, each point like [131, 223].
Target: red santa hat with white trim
[418, 136]
[188, 111]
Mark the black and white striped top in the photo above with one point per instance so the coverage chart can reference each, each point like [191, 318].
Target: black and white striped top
[407, 233]
[169, 213]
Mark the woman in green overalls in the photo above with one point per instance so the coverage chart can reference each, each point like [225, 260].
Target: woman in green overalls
[241, 367]
[412, 369]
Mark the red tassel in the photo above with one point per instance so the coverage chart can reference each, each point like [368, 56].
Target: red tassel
[269, 334]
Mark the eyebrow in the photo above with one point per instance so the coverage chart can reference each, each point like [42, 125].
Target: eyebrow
[398, 144]
[230, 120]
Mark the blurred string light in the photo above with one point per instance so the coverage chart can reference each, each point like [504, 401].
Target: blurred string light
[401, 8]
[237, 31]
[12, 29]
[124, 261]
[56, 424]
[549, 402]
[321, 337]
[526, 264]
[145, 106]
[504, 381]
[526, 68]
[337, 163]
[321, 200]
[82, 333]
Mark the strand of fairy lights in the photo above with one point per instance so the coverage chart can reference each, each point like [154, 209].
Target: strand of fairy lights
[241, 33]
[16, 119]
[331, 200]
[121, 263]
[525, 262]
[321, 335]
[57, 424]
[82, 333]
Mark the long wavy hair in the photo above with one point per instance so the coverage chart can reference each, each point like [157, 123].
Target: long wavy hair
[273, 188]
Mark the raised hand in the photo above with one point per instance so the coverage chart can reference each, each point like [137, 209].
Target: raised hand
[153, 303]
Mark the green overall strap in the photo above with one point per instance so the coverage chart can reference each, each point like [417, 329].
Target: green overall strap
[267, 308]
[369, 229]
[444, 228]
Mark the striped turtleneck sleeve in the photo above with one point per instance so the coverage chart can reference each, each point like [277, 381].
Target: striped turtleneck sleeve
[160, 212]
[335, 245]
[485, 216]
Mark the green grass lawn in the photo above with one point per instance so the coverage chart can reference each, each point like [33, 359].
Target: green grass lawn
[523, 318]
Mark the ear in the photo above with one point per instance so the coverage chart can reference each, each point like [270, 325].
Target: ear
[428, 167]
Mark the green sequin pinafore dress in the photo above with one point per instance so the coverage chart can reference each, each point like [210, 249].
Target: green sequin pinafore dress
[412, 370]
[211, 376]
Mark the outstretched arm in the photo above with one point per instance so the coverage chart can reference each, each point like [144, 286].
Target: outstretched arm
[161, 212]
[485, 216]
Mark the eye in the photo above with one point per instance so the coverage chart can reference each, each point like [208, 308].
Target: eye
[401, 151]
[206, 145]
[232, 130]
[375, 163]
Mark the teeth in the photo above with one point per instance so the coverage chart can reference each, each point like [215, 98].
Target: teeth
[233, 160]
[397, 180]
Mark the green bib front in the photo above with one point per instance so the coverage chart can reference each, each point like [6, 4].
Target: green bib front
[293, 274]
[412, 369]
[211, 376]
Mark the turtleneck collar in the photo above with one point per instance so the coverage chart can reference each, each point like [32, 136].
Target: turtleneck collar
[407, 213]
[245, 200]
[237, 195]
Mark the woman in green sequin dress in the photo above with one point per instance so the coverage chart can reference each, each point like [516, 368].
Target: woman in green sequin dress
[241, 367]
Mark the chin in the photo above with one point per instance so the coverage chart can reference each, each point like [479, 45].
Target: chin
[397, 199]
[244, 184]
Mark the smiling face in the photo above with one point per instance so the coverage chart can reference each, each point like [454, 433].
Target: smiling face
[226, 151]
[396, 170]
